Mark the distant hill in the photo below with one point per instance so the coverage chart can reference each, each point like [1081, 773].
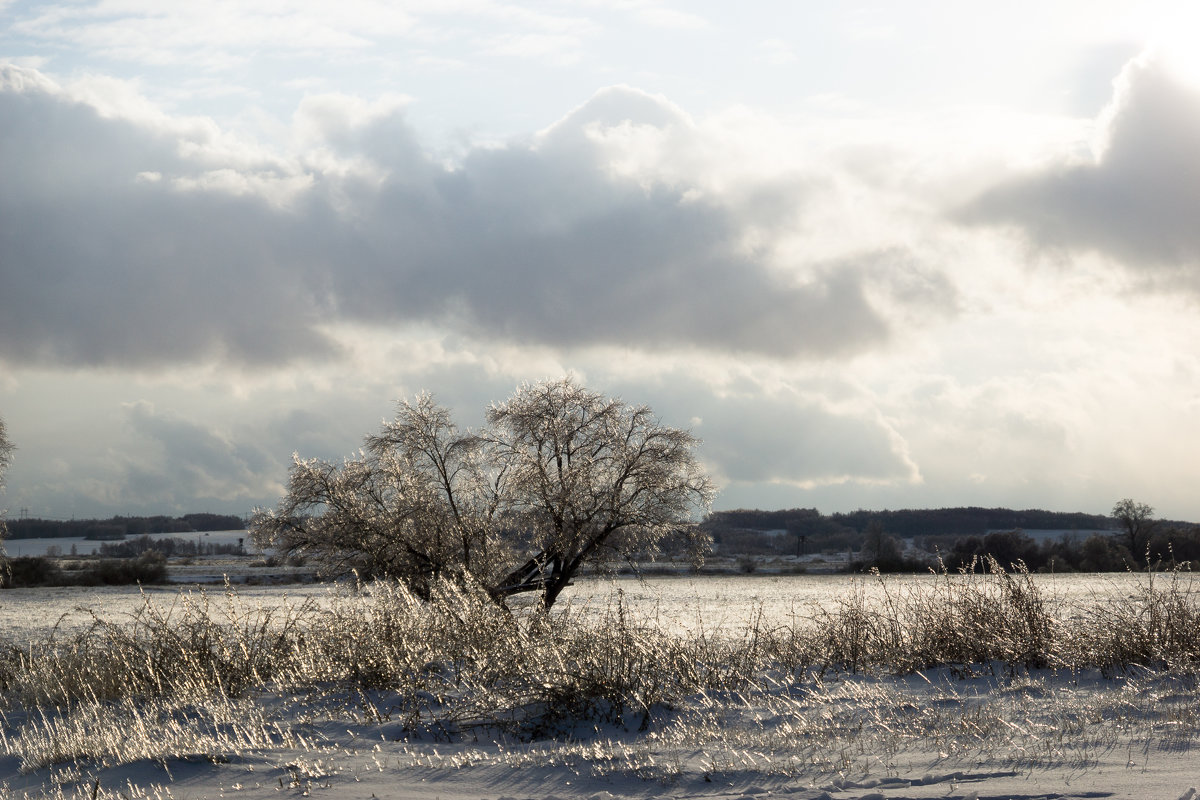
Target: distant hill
[119, 527]
[972, 521]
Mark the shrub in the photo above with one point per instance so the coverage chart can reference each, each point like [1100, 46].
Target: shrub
[28, 571]
[149, 567]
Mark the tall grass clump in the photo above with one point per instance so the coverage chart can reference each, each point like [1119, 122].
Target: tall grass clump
[996, 618]
[979, 615]
[196, 646]
[1155, 626]
[983, 614]
[437, 667]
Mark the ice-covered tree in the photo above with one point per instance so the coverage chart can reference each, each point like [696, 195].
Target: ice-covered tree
[598, 479]
[560, 477]
[420, 502]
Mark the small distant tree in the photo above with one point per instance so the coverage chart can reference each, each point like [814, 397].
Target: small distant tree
[879, 549]
[562, 476]
[1104, 554]
[1137, 523]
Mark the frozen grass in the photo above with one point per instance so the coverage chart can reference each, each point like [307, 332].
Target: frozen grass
[979, 666]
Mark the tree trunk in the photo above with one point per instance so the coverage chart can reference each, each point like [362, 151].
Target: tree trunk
[553, 589]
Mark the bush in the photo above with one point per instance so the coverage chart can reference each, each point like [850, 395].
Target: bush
[24, 571]
[28, 571]
[149, 567]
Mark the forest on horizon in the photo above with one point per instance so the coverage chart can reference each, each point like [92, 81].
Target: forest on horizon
[905, 523]
[118, 527]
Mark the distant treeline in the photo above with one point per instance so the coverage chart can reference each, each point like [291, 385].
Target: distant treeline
[119, 527]
[908, 524]
[807, 530]
[959, 536]
[1166, 547]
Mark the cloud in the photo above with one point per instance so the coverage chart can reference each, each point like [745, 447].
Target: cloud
[799, 442]
[670, 18]
[108, 457]
[104, 266]
[192, 463]
[763, 427]
[138, 240]
[223, 37]
[219, 36]
[776, 52]
[1138, 200]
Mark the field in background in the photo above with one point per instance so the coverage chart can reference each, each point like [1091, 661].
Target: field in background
[683, 602]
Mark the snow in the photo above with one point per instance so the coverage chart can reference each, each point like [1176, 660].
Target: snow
[985, 731]
[362, 760]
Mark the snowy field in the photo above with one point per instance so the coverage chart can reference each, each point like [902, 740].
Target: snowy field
[793, 728]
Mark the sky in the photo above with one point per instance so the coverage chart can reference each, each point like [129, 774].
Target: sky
[875, 255]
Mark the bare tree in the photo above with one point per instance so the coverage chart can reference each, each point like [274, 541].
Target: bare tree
[561, 477]
[419, 503]
[1137, 523]
[598, 479]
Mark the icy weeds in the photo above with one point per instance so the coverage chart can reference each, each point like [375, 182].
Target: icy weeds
[377, 694]
[942, 733]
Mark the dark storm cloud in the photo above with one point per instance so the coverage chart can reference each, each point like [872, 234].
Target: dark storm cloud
[101, 266]
[117, 250]
[1139, 202]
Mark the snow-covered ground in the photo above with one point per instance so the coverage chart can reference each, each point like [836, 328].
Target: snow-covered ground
[985, 730]
[1037, 736]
